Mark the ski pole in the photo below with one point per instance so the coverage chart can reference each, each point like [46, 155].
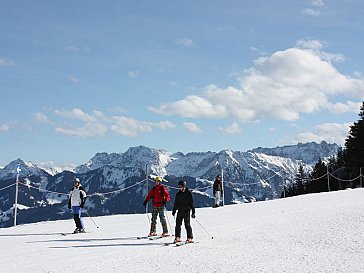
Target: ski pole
[146, 211]
[212, 237]
[91, 219]
[168, 220]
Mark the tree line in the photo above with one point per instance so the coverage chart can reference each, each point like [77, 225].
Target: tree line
[344, 168]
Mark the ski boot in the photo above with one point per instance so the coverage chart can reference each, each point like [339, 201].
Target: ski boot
[152, 234]
[177, 240]
[165, 234]
[189, 240]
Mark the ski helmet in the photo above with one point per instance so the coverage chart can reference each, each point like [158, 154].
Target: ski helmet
[182, 183]
[158, 178]
[76, 179]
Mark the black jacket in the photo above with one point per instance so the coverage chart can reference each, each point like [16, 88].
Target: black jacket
[184, 202]
[217, 186]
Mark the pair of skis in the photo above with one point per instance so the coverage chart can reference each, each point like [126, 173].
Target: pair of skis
[182, 243]
[153, 237]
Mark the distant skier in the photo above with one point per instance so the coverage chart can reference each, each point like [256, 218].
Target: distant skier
[184, 204]
[160, 197]
[217, 190]
[76, 201]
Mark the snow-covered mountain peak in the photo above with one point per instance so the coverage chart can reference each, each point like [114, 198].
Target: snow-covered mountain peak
[309, 152]
[98, 161]
[26, 169]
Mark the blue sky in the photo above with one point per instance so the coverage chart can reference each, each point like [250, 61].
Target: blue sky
[81, 77]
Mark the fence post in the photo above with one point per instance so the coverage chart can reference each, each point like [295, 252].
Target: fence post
[222, 185]
[328, 178]
[147, 184]
[16, 193]
[284, 186]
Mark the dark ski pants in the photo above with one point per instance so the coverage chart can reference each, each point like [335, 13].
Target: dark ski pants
[77, 211]
[155, 212]
[183, 215]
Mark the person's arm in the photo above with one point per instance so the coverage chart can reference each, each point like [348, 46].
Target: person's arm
[175, 205]
[192, 205]
[167, 195]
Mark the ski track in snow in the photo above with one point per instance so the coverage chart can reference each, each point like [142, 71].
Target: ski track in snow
[310, 233]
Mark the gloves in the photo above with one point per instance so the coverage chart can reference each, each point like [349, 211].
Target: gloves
[82, 205]
[164, 202]
[69, 206]
[173, 213]
[193, 216]
[145, 203]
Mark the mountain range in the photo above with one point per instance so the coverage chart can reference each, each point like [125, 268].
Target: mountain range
[117, 182]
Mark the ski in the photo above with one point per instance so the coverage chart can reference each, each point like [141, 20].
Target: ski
[179, 243]
[158, 237]
[184, 243]
[72, 233]
[151, 237]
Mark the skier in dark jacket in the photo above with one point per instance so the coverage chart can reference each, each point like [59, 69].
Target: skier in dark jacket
[76, 201]
[217, 190]
[184, 204]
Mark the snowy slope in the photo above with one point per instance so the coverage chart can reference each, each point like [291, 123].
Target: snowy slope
[311, 233]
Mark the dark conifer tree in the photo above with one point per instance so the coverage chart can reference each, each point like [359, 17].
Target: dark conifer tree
[354, 147]
[318, 180]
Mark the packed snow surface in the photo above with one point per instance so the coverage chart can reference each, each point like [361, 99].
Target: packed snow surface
[310, 233]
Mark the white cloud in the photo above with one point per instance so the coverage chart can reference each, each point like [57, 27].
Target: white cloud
[74, 79]
[330, 132]
[311, 12]
[97, 124]
[71, 48]
[192, 127]
[186, 42]
[92, 129]
[4, 127]
[317, 3]
[280, 86]
[130, 127]
[6, 62]
[231, 129]
[133, 74]
[316, 46]
[192, 106]
[340, 107]
[41, 118]
[78, 114]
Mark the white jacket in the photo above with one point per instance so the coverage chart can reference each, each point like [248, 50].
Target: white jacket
[77, 196]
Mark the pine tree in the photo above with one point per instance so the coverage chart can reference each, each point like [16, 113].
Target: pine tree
[354, 147]
[318, 182]
[300, 181]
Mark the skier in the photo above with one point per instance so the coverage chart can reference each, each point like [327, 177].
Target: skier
[160, 197]
[76, 201]
[184, 204]
[217, 190]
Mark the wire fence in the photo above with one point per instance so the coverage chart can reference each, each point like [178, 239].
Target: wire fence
[198, 189]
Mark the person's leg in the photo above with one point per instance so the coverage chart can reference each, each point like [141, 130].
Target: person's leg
[162, 218]
[187, 220]
[154, 220]
[80, 217]
[178, 224]
[76, 217]
[217, 198]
